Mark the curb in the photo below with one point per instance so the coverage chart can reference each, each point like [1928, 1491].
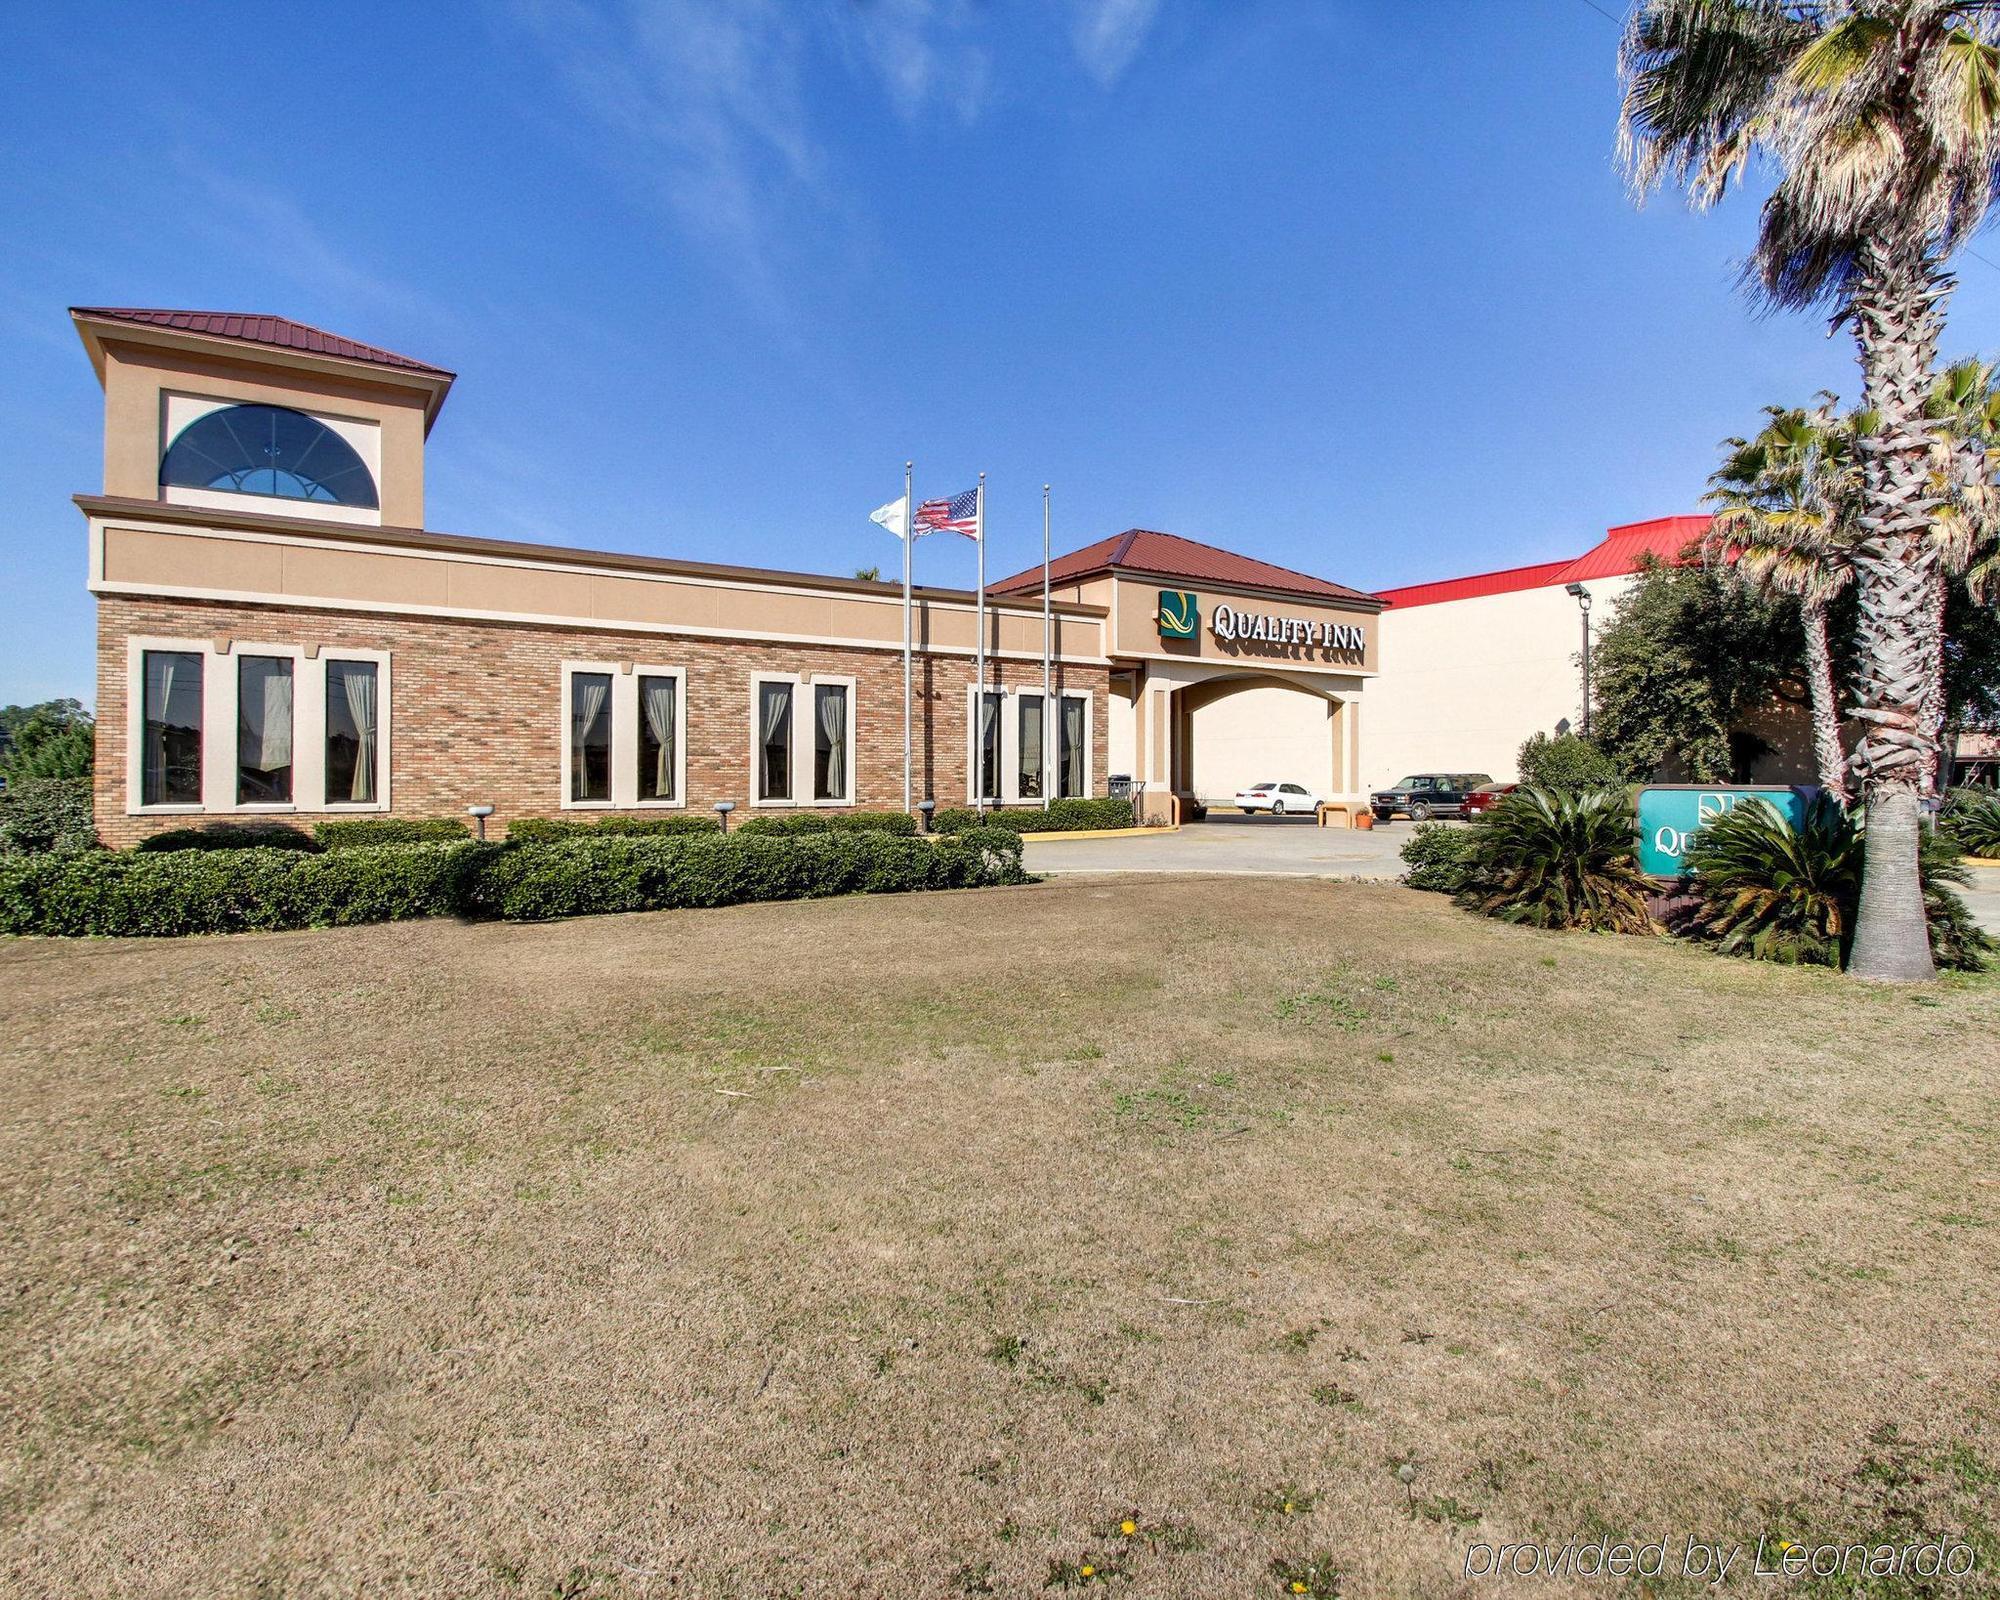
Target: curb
[1097, 833]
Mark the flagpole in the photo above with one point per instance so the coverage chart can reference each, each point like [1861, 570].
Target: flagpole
[979, 695]
[909, 539]
[1048, 722]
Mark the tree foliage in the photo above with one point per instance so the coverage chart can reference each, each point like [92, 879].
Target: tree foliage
[55, 739]
[1567, 763]
[1688, 657]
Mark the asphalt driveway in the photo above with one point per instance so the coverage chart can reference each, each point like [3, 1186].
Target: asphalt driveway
[1299, 847]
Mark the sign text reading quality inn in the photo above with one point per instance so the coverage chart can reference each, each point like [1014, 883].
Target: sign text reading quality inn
[1179, 617]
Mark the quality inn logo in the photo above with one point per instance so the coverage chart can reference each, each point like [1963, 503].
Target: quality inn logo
[1180, 617]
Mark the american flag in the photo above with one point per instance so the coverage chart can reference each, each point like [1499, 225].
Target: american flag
[959, 514]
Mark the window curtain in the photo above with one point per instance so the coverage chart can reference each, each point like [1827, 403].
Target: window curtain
[275, 735]
[833, 728]
[159, 705]
[587, 700]
[658, 703]
[1072, 746]
[989, 746]
[777, 701]
[359, 683]
[1031, 747]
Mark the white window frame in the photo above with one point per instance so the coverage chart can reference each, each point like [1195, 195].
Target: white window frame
[625, 676]
[1010, 741]
[221, 679]
[805, 726]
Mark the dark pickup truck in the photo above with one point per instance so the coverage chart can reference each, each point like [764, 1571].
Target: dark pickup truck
[1427, 795]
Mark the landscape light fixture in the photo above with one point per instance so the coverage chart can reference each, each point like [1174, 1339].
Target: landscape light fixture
[1582, 597]
[722, 810]
[927, 807]
[480, 814]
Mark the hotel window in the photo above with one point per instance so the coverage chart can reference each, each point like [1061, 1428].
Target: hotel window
[990, 704]
[352, 732]
[1028, 745]
[1073, 760]
[659, 737]
[263, 730]
[802, 740]
[831, 755]
[624, 742]
[590, 736]
[224, 726]
[268, 450]
[170, 761]
[774, 741]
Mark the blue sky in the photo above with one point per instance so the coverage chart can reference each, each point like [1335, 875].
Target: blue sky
[1351, 285]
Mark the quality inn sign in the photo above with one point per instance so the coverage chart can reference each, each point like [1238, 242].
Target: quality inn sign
[1263, 627]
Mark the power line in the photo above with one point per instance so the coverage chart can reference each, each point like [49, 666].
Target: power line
[1607, 16]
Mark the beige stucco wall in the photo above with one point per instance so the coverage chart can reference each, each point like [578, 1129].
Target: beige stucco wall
[1135, 611]
[1240, 734]
[1464, 682]
[137, 376]
[240, 565]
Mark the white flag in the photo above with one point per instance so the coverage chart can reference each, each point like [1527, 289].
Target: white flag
[895, 516]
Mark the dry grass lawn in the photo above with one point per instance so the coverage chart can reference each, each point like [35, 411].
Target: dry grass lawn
[910, 1247]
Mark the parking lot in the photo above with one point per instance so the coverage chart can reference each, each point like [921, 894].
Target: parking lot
[1235, 844]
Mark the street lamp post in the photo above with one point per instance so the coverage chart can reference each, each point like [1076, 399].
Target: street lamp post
[1582, 596]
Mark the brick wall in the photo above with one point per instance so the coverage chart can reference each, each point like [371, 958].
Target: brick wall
[477, 710]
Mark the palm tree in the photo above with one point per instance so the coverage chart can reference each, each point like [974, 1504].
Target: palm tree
[1880, 123]
[1786, 522]
[1964, 409]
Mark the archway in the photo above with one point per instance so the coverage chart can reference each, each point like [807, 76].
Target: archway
[1231, 732]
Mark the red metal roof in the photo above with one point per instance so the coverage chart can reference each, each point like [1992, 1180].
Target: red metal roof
[1171, 556]
[278, 332]
[1622, 550]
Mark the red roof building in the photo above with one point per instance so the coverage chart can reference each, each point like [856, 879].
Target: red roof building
[1622, 551]
[279, 333]
[1168, 555]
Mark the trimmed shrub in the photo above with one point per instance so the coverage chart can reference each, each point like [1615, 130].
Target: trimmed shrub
[1566, 763]
[533, 830]
[900, 822]
[145, 894]
[1063, 816]
[1778, 893]
[1972, 817]
[538, 881]
[347, 833]
[47, 814]
[166, 893]
[1559, 861]
[1439, 858]
[229, 836]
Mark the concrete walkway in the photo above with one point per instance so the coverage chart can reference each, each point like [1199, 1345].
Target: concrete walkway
[1297, 847]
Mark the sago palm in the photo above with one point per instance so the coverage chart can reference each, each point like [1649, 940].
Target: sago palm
[1880, 123]
[1556, 860]
[1787, 504]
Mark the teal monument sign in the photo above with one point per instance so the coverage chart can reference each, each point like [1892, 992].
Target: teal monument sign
[1670, 814]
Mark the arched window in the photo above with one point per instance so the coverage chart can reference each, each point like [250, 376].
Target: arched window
[268, 450]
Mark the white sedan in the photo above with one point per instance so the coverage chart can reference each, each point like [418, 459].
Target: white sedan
[1280, 799]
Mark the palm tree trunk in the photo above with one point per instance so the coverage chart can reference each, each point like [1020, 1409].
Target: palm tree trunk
[1897, 310]
[1934, 688]
[1827, 754]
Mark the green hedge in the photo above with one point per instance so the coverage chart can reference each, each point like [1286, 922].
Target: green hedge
[140, 894]
[38, 814]
[346, 833]
[230, 836]
[1440, 857]
[900, 822]
[573, 878]
[1062, 816]
[532, 830]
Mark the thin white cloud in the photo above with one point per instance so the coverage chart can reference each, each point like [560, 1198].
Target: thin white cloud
[1108, 35]
[926, 55]
[271, 228]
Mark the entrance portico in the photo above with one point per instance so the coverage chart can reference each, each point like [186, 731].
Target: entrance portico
[1225, 671]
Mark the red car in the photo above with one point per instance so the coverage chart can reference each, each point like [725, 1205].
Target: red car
[1482, 798]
